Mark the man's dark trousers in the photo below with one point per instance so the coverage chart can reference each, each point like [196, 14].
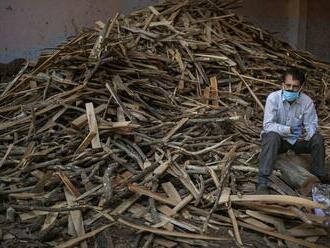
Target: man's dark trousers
[272, 144]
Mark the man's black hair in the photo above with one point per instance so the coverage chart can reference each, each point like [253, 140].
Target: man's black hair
[296, 75]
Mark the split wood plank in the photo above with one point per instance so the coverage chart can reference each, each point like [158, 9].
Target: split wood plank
[165, 243]
[99, 44]
[185, 179]
[183, 203]
[120, 115]
[177, 206]
[260, 224]
[206, 95]
[81, 120]
[225, 195]
[75, 241]
[305, 230]
[255, 228]
[165, 219]
[280, 210]
[161, 168]
[280, 199]
[10, 147]
[90, 136]
[249, 88]
[214, 95]
[92, 123]
[252, 199]
[235, 226]
[169, 233]
[117, 125]
[174, 129]
[51, 217]
[172, 193]
[76, 217]
[214, 176]
[51, 106]
[228, 159]
[72, 189]
[278, 223]
[56, 54]
[157, 196]
[125, 205]
[282, 236]
[120, 104]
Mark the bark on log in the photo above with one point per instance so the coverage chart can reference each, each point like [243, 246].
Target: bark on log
[294, 170]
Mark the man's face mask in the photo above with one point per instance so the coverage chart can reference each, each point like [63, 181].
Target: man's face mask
[291, 89]
[290, 96]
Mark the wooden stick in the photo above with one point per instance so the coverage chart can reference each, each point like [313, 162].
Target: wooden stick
[75, 241]
[235, 226]
[281, 199]
[214, 91]
[174, 129]
[249, 88]
[76, 216]
[229, 159]
[92, 123]
[169, 233]
[85, 142]
[81, 120]
[10, 147]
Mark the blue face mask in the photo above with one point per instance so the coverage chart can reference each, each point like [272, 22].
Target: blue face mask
[290, 96]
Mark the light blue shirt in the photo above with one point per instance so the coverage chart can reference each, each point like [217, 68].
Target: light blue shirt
[280, 115]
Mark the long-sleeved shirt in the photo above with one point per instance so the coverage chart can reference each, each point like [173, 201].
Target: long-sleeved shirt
[280, 115]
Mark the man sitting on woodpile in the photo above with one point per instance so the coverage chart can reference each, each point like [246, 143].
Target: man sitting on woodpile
[290, 122]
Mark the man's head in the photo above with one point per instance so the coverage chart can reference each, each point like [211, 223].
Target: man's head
[293, 80]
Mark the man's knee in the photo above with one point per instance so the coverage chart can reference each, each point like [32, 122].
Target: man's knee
[317, 140]
[271, 138]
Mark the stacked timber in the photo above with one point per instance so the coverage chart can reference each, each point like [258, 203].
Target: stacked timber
[151, 121]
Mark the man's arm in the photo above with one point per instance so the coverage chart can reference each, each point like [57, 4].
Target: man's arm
[310, 120]
[270, 123]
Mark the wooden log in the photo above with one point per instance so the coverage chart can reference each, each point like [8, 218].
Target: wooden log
[294, 172]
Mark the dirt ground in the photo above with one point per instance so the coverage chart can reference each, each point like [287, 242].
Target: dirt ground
[119, 236]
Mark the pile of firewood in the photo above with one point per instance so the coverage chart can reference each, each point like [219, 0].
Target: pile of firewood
[152, 121]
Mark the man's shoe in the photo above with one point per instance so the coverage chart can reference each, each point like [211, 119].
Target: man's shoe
[262, 189]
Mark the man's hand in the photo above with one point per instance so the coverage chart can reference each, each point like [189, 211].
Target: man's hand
[296, 131]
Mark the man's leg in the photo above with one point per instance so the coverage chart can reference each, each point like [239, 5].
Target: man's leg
[270, 148]
[315, 146]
